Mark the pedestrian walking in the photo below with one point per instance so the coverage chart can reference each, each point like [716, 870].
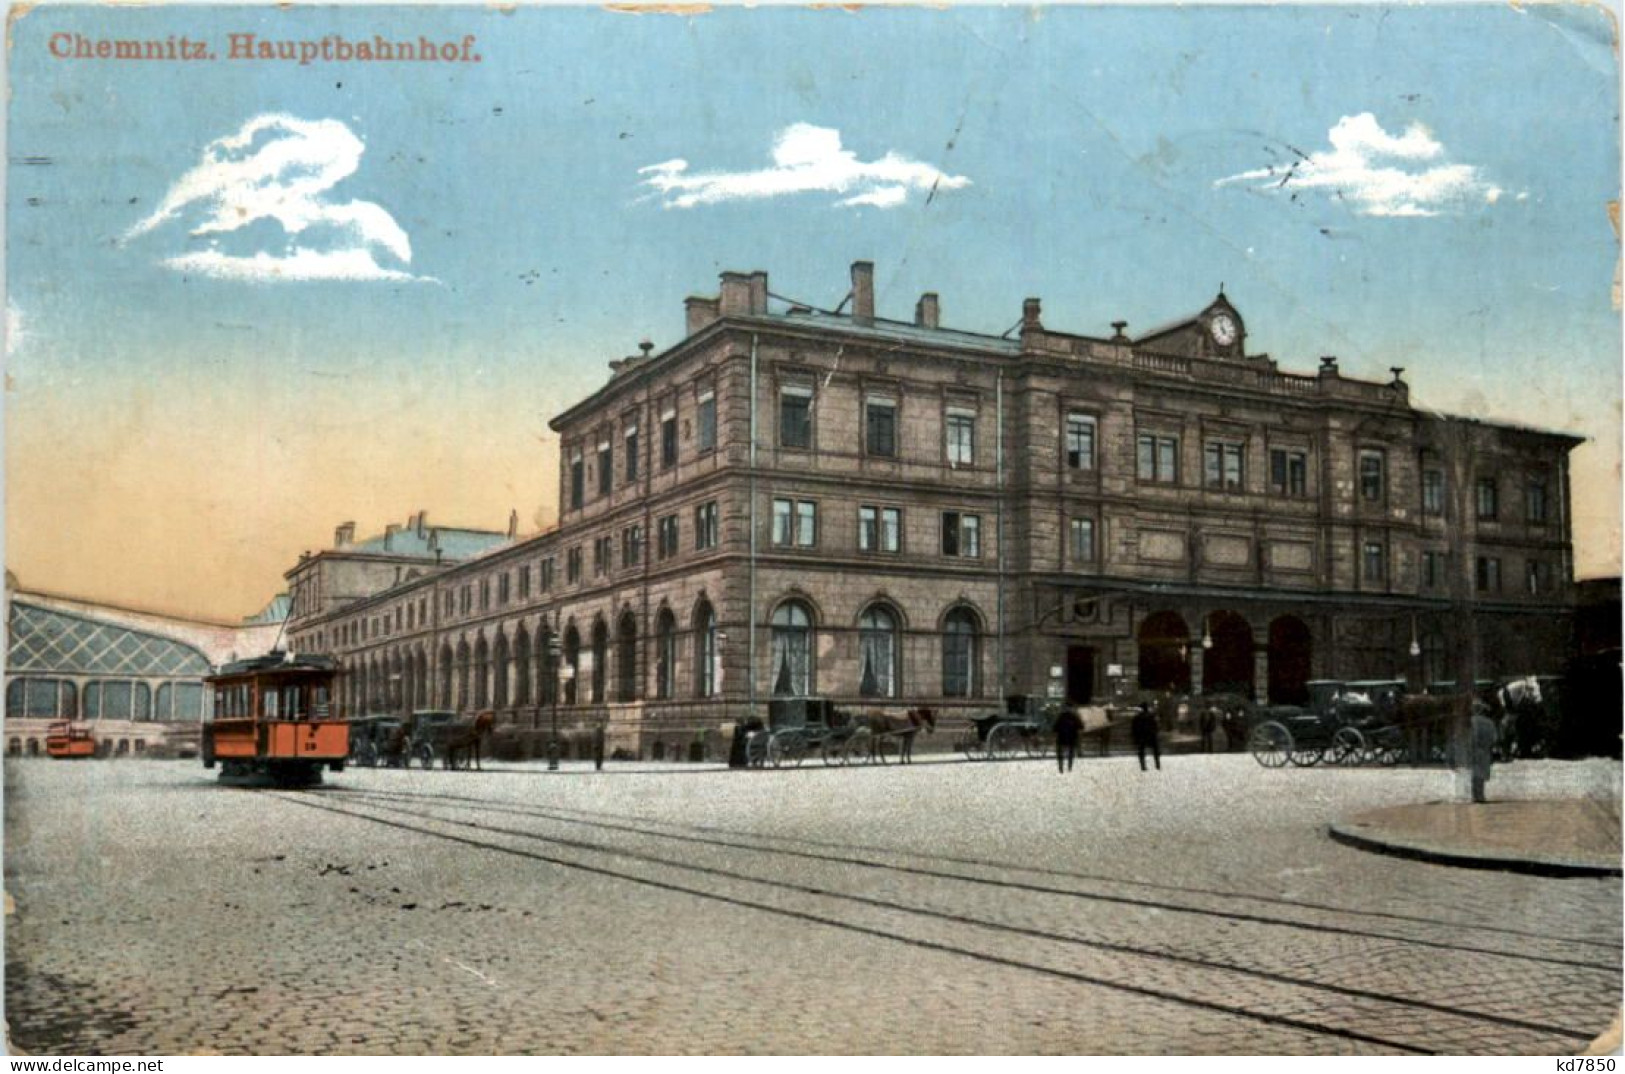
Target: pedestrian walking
[1147, 736]
[1210, 723]
[1067, 728]
[1484, 736]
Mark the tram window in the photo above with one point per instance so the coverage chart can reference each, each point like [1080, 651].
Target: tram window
[294, 702]
[220, 707]
[270, 709]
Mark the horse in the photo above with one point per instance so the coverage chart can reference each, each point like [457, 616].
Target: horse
[1525, 724]
[467, 737]
[903, 729]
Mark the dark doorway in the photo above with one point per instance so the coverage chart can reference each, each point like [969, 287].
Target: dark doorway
[1080, 674]
[1164, 653]
[1289, 661]
[1227, 667]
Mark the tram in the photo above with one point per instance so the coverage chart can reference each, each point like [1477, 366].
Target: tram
[275, 721]
[68, 740]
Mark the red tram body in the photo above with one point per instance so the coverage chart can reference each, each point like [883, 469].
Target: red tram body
[274, 719]
[67, 740]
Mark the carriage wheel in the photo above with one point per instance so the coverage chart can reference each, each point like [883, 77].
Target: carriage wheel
[968, 745]
[1303, 757]
[1270, 744]
[1004, 742]
[1348, 747]
[786, 750]
[756, 749]
[833, 753]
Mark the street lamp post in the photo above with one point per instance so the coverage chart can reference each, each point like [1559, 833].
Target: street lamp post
[553, 651]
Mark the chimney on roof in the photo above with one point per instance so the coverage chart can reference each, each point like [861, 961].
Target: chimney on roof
[513, 523]
[863, 292]
[417, 522]
[1029, 314]
[735, 300]
[699, 312]
[758, 292]
[927, 311]
[389, 534]
[343, 534]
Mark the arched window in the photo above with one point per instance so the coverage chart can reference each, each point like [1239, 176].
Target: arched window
[705, 651]
[600, 660]
[462, 676]
[445, 676]
[665, 654]
[499, 686]
[877, 653]
[626, 658]
[482, 673]
[961, 653]
[572, 660]
[792, 650]
[521, 660]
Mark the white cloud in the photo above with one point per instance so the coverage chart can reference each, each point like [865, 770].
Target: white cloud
[1380, 174]
[806, 159]
[281, 169]
[15, 333]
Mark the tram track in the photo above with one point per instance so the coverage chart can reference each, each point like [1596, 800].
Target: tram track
[1362, 1006]
[763, 844]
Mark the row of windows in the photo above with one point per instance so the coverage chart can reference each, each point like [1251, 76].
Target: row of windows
[794, 663]
[1540, 576]
[705, 440]
[110, 699]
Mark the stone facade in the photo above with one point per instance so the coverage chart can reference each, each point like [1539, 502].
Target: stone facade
[895, 514]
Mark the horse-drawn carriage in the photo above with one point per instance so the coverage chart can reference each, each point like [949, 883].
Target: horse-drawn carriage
[1026, 728]
[800, 727]
[425, 736]
[1345, 723]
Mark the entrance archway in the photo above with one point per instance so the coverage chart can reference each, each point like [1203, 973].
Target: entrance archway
[1290, 649]
[1227, 667]
[1164, 653]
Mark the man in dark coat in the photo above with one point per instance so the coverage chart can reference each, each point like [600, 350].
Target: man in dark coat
[1067, 728]
[1483, 736]
[1147, 736]
[1210, 723]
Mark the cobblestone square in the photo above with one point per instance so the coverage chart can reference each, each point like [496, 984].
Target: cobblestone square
[947, 907]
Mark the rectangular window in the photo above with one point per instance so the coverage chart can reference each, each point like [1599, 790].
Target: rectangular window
[880, 529]
[524, 581]
[572, 565]
[1432, 570]
[1373, 474]
[485, 594]
[880, 426]
[1080, 442]
[1489, 574]
[1158, 458]
[705, 526]
[1372, 564]
[961, 535]
[1222, 465]
[1433, 492]
[806, 524]
[1534, 497]
[547, 574]
[601, 552]
[1488, 497]
[705, 422]
[668, 439]
[1083, 540]
[578, 481]
[784, 514]
[632, 546]
[960, 433]
[502, 588]
[795, 417]
[1289, 472]
[631, 453]
[667, 531]
[606, 468]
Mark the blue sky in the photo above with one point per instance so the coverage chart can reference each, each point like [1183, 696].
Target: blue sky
[1084, 155]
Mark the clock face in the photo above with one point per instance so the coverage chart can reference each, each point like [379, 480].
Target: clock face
[1223, 329]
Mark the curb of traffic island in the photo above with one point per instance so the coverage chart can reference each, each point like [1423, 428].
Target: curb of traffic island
[1363, 834]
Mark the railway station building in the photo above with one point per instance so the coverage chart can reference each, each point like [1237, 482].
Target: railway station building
[892, 513]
